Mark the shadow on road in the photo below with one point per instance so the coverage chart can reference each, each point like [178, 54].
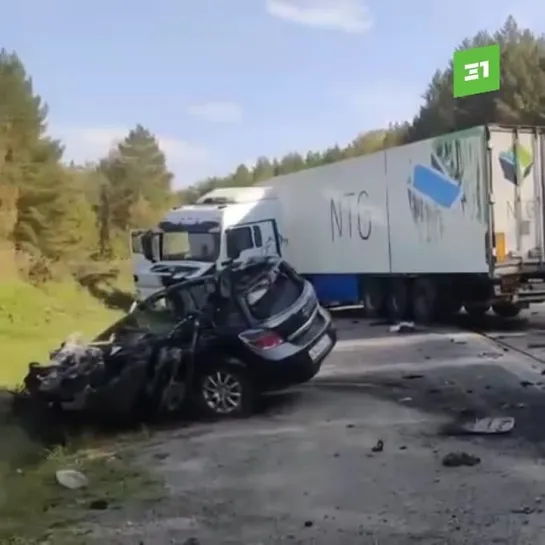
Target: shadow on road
[460, 393]
[27, 430]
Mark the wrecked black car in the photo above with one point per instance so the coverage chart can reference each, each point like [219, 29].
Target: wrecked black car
[216, 342]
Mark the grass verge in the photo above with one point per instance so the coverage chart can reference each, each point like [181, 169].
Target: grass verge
[33, 321]
[35, 509]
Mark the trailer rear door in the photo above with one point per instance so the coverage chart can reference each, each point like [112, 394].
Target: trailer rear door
[516, 157]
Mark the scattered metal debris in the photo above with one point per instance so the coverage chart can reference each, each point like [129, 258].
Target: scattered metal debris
[470, 424]
[526, 510]
[403, 327]
[490, 355]
[489, 425]
[412, 377]
[379, 447]
[458, 459]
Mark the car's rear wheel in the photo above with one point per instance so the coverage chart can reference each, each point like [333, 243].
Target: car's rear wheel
[225, 391]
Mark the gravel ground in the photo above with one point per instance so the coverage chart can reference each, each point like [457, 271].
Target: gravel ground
[306, 470]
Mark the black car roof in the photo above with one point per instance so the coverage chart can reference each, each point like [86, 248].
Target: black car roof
[236, 267]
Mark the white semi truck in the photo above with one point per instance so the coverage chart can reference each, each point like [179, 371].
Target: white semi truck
[421, 229]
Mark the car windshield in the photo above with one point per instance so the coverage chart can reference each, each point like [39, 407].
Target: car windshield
[157, 316]
[273, 293]
[190, 246]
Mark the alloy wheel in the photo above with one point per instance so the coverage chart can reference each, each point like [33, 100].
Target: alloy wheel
[222, 392]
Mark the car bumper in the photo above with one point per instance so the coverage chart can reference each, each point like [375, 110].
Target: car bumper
[296, 369]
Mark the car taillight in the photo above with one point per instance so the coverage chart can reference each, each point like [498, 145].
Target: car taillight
[263, 339]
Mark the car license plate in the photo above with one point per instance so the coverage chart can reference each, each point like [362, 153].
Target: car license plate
[319, 348]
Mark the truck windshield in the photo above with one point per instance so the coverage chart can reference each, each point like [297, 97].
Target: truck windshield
[185, 245]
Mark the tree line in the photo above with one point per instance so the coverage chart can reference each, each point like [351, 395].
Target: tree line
[520, 100]
[53, 213]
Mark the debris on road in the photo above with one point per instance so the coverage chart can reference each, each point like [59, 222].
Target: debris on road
[379, 447]
[489, 425]
[470, 424]
[526, 510]
[191, 541]
[403, 327]
[458, 459]
[536, 345]
[98, 505]
[490, 355]
[412, 377]
[72, 479]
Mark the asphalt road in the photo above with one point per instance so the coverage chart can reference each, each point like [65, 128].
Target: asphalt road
[304, 470]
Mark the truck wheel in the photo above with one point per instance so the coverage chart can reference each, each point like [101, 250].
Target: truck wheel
[506, 310]
[449, 307]
[373, 297]
[225, 391]
[477, 310]
[397, 300]
[424, 300]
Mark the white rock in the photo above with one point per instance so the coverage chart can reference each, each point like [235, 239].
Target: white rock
[70, 478]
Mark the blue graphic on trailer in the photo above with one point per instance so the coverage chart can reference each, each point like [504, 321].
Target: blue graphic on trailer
[433, 183]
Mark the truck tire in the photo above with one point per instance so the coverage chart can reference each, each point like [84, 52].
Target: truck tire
[449, 306]
[374, 297]
[424, 300]
[397, 300]
[476, 309]
[506, 310]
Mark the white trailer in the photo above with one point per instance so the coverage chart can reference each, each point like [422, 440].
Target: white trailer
[418, 229]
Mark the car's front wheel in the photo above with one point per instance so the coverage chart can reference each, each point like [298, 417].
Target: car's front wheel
[225, 391]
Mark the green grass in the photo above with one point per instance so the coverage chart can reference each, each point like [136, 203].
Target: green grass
[34, 321]
[34, 508]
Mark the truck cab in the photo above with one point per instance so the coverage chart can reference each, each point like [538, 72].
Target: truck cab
[192, 240]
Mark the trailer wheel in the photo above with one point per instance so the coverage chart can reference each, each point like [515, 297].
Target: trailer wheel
[424, 300]
[477, 310]
[449, 306]
[397, 299]
[506, 310]
[373, 297]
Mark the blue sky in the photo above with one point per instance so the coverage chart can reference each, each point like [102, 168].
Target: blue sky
[221, 82]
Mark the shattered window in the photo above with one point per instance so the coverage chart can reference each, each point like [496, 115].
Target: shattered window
[273, 294]
[159, 315]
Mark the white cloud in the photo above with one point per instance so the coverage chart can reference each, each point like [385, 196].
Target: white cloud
[90, 143]
[217, 112]
[351, 16]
